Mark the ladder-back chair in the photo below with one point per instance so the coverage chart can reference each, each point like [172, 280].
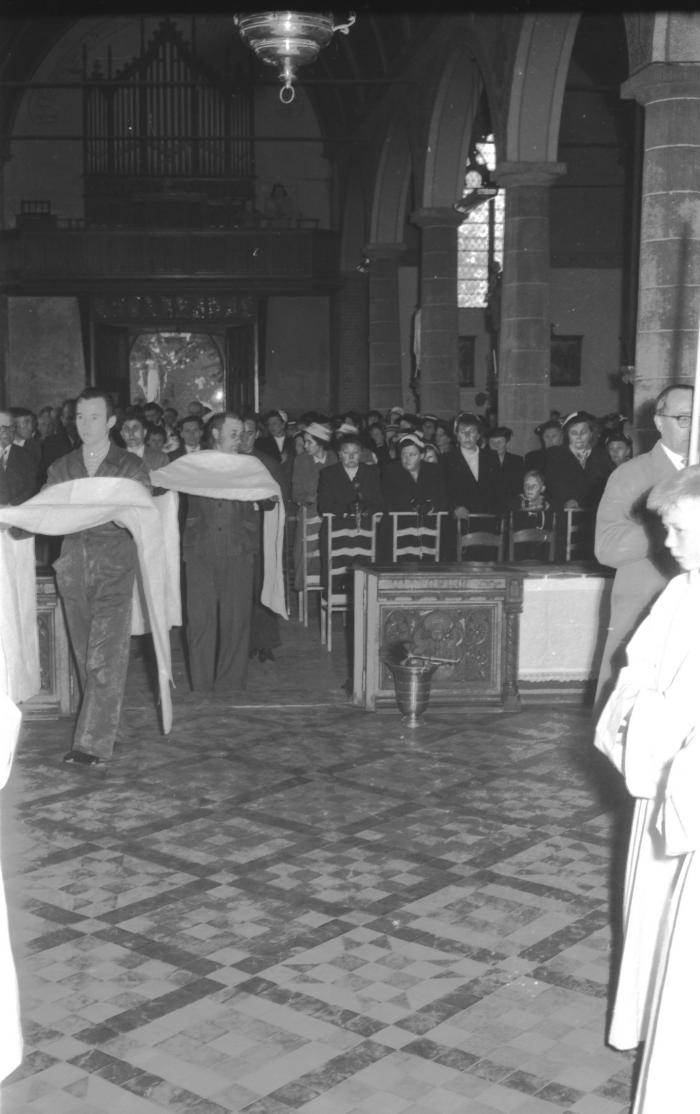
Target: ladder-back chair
[480, 532]
[539, 543]
[346, 538]
[579, 534]
[416, 536]
[310, 527]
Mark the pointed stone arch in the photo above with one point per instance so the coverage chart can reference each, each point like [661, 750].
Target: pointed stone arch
[526, 169]
[391, 186]
[540, 69]
[355, 208]
[450, 129]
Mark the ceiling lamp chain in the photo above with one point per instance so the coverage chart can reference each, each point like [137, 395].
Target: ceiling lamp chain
[288, 40]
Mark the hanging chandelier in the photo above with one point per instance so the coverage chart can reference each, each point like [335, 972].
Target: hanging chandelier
[288, 40]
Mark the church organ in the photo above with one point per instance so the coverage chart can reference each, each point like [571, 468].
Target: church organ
[168, 142]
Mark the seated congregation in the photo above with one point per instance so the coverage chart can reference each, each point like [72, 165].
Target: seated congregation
[368, 488]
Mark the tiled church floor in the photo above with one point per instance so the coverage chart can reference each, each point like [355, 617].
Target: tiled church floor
[311, 909]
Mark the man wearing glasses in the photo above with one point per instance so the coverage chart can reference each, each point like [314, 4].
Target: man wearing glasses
[17, 471]
[630, 539]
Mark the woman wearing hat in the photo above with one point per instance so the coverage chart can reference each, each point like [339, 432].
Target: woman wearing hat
[511, 468]
[307, 467]
[410, 484]
[618, 447]
[576, 472]
[306, 470]
[550, 434]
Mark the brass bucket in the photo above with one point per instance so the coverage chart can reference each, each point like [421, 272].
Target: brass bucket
[412, 685]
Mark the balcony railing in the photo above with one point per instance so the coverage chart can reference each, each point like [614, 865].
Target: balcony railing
[72, 258]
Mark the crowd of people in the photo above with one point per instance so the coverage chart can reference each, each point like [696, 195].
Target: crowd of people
[348, 464]
[462, 467]
[353, 462]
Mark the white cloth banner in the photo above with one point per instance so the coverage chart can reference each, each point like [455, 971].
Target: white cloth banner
[167, 506]
[68, 508]
[241, 477]
[20, 678]
[10, 1030]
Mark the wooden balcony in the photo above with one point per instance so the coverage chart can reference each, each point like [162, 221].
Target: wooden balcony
[76, 260]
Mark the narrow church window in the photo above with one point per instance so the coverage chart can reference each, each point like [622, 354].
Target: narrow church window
[479, 238]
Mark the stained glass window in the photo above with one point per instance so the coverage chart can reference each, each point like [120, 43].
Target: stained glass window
[480, 239]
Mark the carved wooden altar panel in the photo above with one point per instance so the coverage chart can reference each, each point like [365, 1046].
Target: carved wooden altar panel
[59, 692]
[467, 614]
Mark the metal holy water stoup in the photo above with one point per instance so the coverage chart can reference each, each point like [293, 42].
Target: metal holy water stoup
[288, 40]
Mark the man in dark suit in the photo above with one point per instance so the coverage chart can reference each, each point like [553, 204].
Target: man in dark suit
[471, 479]
[64, 440]
[95, 576]
[25, 433]
[220, 543]
[349, 486]
[277, 444]
[631, 539]
[510, 471]
[134, 430]
[191, 432]
[264, 624]
[17, 471]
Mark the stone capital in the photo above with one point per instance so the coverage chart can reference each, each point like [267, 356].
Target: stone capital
[662, 81]
[445, 217]
[526, 173]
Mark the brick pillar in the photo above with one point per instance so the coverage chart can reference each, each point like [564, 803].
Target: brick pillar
[350, 342]
[669, 247]
[439, 379]
[385, 387]
[525, 329]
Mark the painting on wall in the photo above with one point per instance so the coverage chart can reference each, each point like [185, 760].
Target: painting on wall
[174, 369]
[467, 361]
[565, 361]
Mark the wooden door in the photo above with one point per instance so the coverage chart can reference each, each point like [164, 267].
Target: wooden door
[241, 366]
[111, 371]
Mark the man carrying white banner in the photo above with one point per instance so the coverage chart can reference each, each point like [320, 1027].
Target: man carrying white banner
[98, 496]
[220, 541]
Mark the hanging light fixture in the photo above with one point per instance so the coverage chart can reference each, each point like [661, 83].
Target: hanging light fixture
[479, 187]
[289, 40]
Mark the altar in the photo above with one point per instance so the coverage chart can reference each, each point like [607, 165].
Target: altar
[36, 669]
[512, 633]
[566, 611]
[464, 615]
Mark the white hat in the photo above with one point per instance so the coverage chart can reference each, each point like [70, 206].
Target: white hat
[320, 432]
[414, 439]
[347, 427]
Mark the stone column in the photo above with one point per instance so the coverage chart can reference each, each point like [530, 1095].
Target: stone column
[350, 344]
[4, 302]
[669, 248]
[439, 379]
[4, 352]
[525, 328]
[385, 386]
